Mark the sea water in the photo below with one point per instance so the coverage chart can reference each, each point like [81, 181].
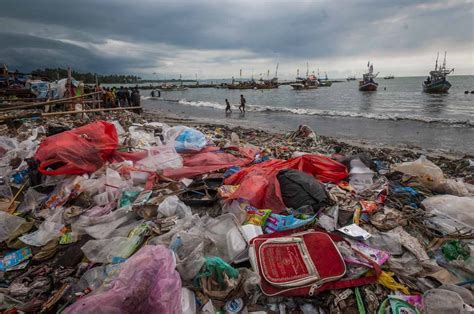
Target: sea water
[397, 114]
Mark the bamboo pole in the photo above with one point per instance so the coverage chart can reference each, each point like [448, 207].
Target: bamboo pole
[46, 103]
[11, 106]
[49, 114]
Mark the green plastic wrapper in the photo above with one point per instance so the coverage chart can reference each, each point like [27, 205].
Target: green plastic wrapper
[215, 267]
[453, 250]
[127, 198]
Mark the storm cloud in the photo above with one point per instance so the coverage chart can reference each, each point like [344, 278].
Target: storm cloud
[216, 38]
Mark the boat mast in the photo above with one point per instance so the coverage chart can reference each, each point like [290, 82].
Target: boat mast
[436, 65]
[307, 69]
[444, 62]
[276, 70]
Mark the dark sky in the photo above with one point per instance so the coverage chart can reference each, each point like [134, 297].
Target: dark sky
[217, 38]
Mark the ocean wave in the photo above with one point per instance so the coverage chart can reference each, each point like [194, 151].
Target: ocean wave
[331, 113]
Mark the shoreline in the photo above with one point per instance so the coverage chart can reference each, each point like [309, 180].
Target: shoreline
[453, 166]
[428, 138]
[173, 118]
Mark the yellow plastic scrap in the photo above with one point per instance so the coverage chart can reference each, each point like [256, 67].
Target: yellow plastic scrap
[389, 282]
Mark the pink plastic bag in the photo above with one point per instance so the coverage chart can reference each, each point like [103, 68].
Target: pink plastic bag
[147, 283]
[259, 185]
[210, 159]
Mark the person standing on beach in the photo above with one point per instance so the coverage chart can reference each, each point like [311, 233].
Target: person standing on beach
[121, 97]
[242, 104]
[227, 108]
[136, 100]
[128, 97]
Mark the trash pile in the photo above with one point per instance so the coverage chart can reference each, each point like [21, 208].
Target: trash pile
[124, 215]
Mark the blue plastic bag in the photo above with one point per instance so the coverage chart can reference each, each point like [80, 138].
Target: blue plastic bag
[190, 140]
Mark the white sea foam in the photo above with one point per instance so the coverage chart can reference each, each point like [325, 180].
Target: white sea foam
[332, 113]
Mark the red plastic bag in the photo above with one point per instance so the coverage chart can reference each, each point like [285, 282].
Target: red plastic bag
[210, 159]
[78, 151]
[259, 184]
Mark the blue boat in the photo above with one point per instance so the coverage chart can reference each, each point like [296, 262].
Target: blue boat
[436, 83]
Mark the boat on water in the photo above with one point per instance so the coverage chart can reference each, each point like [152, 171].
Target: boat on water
[368, 84]
[267, 84]
[389, 77]
[172, 87]
[351, 78]
[324, 82]
[311, 82]
[242, 85]
[436, 83]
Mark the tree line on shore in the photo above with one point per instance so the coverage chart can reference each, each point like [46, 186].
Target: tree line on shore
[88, 78]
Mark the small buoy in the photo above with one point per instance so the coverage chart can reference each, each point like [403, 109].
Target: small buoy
[466, 92]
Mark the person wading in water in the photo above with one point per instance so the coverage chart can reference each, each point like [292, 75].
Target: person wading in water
[227, 108]
[242, 104]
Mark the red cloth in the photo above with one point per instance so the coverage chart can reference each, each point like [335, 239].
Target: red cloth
[211, 159]
[259, 184]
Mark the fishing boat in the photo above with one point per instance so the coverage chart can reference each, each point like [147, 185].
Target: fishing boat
[324, 82]
[389, 77]
[267, 84]
[368, 84]
[436, 83]
[242, 85]
[172, 87]
[311, 82]
[351, 78]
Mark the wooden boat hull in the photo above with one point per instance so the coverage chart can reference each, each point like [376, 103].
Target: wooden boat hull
[441, 87]
[368, 87]
[239, 87]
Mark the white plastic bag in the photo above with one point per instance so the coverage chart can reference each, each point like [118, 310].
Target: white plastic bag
[429, 174]
[31, 200]
[8, 224]
[103, 226]
[140, 138]
[361, 177]
[109, 250]
[173, 206]
[460, 209]
[161, 157]
[47, 231]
